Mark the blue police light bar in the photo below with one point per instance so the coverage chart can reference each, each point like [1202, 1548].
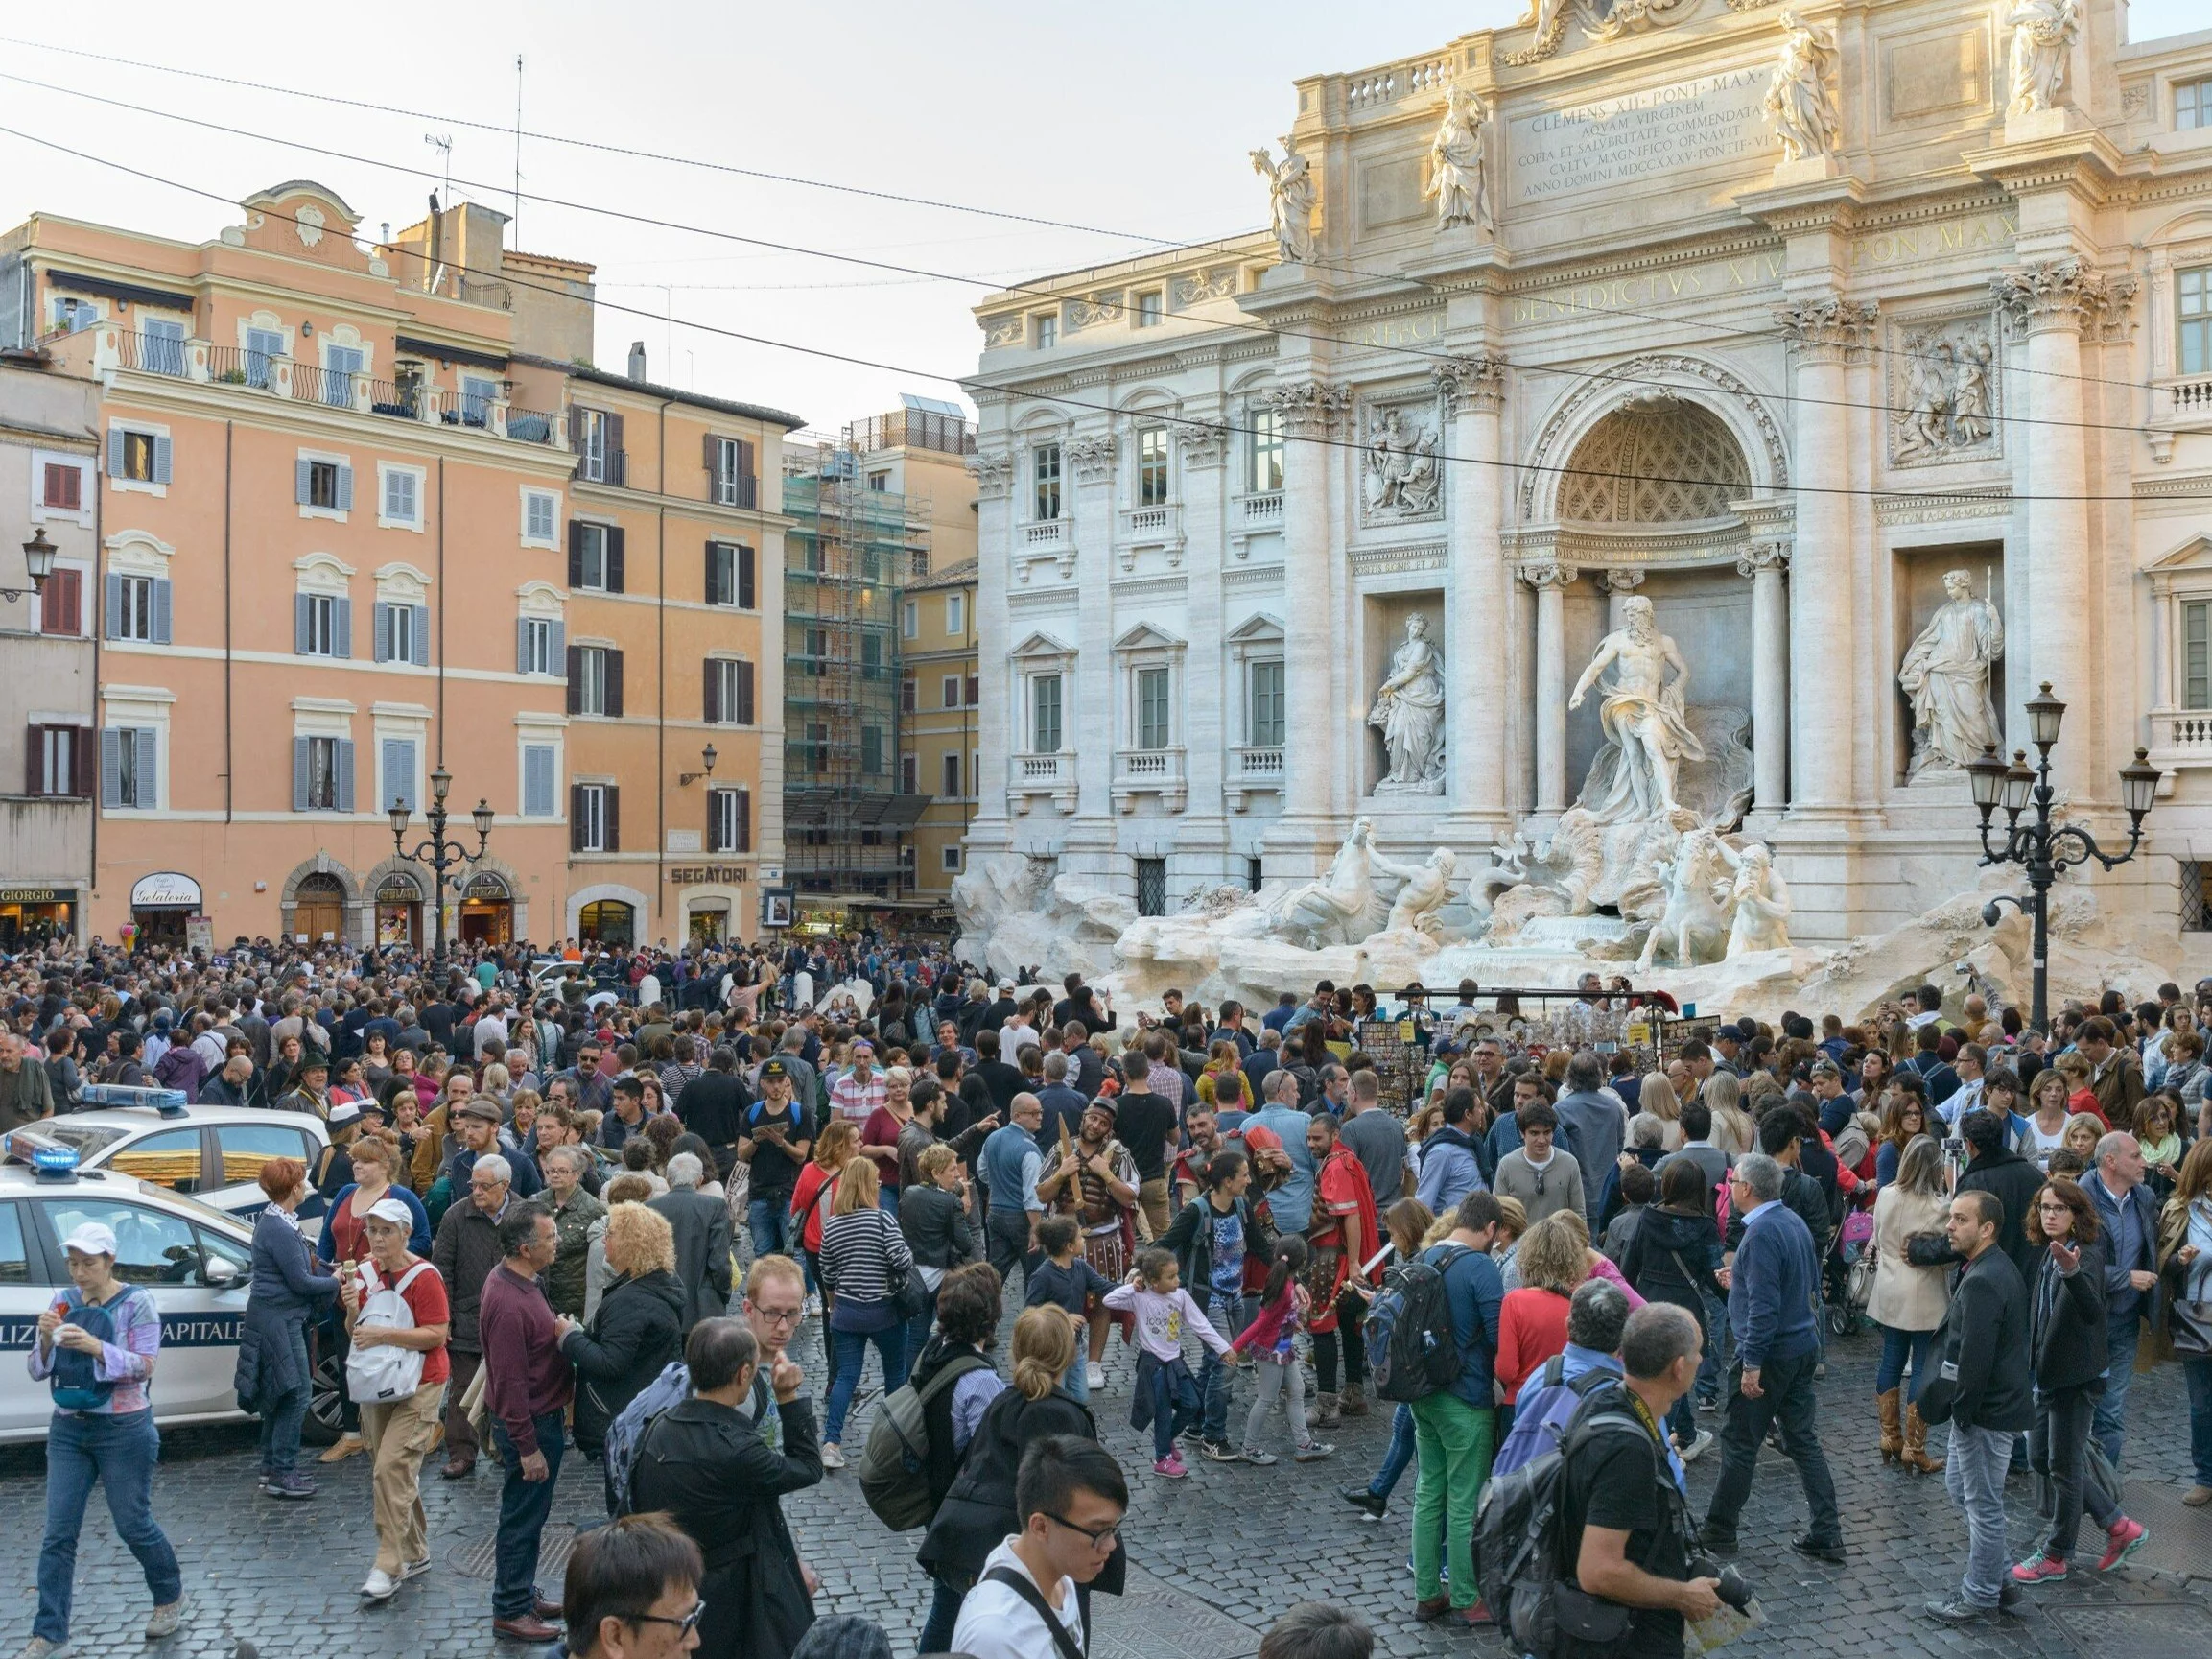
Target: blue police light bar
[169, 1103]
[54, 1163]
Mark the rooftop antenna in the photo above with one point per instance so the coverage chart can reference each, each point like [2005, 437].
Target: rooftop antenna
[517, 218]
[442, 143]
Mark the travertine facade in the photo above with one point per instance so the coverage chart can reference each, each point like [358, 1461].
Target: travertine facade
[1772, 319]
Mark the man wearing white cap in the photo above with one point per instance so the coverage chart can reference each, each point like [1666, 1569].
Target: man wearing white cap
[96, 1346]
[397, 1317]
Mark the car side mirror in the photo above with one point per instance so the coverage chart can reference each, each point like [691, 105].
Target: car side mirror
[220, 1270]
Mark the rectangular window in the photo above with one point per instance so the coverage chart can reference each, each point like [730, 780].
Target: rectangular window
[540, 515]
[1266, 722]
[322, 781]
[1044, 710]
[317, 624]
[908, 697]
[911, 619]
[538, 654]
[1152, 708]
[974, 690]
[951, 689]
[951, 858]
[730, 820]
[872, 750]
[321, 484]
[400, 503]
[538, 765]
[141, 457]
[1153, 467]
[395, 755]
[163, 348]
[872, 655]
[976, 776]
[596, 448]
[1045, 466]
[729, 693]
[339, 364]
[131, 598]
[730, 575]
[62, 487]
[956, 613]
[592, 679]
[909, 774]
[260, 345]
[594, 538]
[1254, 874]
[952, 776]
[61, 606]
[2193, 294]
[1152, 886]
[1264, 471]
[2192, 105]
[731, 472]
[879, 482]
[1148, 309]
[2196, 898]
[590, 829]
[1045, 331]
[2197, 654]
[818, 651]
[57, 760]
[400, 643]
[128, 765]
[476, 399]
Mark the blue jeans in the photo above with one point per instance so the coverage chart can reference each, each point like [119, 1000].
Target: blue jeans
[2110, 1427]
[766, 1218]
[120, 1453]
[1399, 1458]
[2198, 1375]
[1974, 1475]
[1890, 1370]
[917, 1337]
[848, 1353]
[1708, 1382]
[1173, 1411]
[944, 1613]
[888, 1199]
[280, 1427]
[1229, 1315]
[522, 1507]
[1077, 1381]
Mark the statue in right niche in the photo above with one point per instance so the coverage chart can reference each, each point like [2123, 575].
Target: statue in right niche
[1946, 674]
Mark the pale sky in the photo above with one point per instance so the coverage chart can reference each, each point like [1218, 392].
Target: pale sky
[1133, 117]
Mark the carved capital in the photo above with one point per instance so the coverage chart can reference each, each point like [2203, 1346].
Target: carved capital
[1622, 581]
[1310, 408]
[1092, 458]
[1202, 443]
[992, 470]
[1548, 574]
[1763, 555]
[1828, 329]
[1470, 383]
[2067, 293]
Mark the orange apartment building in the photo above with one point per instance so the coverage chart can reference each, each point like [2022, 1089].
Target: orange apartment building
[351, 527]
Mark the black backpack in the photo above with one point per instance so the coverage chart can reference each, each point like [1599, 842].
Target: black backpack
[1412, 1350]
[1517, 1530]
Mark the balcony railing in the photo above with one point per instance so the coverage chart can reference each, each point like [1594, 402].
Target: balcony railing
[229, 365]
[401, 400]
[153, 354]
[1264, 510]
[608, 466]
[2180, 737]
[1253, 769]
[1043, 774]
[1046, 535]
[533, 426]
[1141, 771]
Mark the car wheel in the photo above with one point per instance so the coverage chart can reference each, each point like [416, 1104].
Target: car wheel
[325, 1398]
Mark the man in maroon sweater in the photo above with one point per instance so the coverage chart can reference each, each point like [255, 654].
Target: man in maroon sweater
[525, 1389]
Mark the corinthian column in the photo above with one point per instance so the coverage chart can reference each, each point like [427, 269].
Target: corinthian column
[1478, 706]
[1550, 582]
[1764, 563]
[1090, 460]
[1310, 411]
[2054, 302]
[1619, 585]
[1821, 331]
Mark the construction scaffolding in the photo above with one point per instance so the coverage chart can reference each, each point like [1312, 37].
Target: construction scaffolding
[847, 558]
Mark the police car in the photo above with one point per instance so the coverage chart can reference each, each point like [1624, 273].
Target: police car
[212, 1153]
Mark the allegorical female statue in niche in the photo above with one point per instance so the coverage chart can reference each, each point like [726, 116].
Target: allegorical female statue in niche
[1409, 710]
[1946, 674]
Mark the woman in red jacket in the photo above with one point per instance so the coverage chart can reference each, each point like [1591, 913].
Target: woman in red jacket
[837, 1144]
[1532, 1323]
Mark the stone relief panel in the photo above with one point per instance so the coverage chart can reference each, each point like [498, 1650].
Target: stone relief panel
[1092, 312]
[1943, 389]
[1402, 476]
[1218, 282]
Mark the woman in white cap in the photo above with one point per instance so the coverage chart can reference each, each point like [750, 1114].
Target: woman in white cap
[96, 1345]
[400, 1424]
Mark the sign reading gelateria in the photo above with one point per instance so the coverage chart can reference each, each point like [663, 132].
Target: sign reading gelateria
[165, 891]
[1676, 127]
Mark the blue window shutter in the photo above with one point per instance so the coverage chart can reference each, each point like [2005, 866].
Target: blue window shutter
[537, 767]
[522, 645]
[302, 625]
[421, 657]
[382, 618]
[149, 762]
[161, 458]
[110, 767]
[299, 766]
[161, 591]
[399, 771]
[345, 489]
[557, 655]
[299, 481]
[114, 629]
[341, 627]
[115, 453]
[344, 762]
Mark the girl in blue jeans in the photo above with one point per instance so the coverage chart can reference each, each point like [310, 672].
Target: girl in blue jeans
[864, 1260]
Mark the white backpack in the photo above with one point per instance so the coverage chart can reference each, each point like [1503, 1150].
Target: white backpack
[387, 1372]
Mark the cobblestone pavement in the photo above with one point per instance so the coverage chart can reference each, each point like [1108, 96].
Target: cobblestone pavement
[1216, 1557]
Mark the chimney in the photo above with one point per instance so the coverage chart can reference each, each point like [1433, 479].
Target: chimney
[637, 370]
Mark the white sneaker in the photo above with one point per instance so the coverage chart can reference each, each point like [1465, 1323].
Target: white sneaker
[1698, 1447]
[382, 1586]
[413, 1569]
[833, 1455]
[814, 1308]
[1095, 1376]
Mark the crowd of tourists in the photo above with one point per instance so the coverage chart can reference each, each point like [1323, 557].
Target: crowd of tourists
[557, 1221]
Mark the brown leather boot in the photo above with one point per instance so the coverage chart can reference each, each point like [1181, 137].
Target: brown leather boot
[1892, 1404]
[1916, 1454]
[1353, 1401]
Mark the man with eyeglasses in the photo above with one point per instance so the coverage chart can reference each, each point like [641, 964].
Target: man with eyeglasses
[632, 1591]
[466, 1250]
[706, 1465]
[1070, 1497]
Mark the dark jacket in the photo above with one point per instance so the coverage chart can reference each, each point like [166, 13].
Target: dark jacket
[978, 1514]
[2122, 1300]
[465, 1253]
[2015, 1182]
[1191, 1236]
[2066, 1322]
[940, 1465]
[286, 1294]
[711, 1471]
[1665, 1245]
[702, 1230]
[1803, 1197]
[1986, 1345]
[935, 1228]
[637, 1330]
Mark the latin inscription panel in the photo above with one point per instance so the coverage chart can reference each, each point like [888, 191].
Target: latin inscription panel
[1679, 128]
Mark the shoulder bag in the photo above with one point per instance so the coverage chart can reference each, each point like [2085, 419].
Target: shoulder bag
[1020, 1585]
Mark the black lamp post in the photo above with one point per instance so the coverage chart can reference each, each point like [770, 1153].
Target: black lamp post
[438, 852]
[2042, 850]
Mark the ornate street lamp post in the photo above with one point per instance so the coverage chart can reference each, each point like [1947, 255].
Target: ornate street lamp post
[2044, 849]
[438, 852]
[37, 563]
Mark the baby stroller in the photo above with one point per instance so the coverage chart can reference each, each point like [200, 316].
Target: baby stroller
[1850, 1289]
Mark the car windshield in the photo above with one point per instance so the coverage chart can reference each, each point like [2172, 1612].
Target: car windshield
[220, 1220]
[82, 1139]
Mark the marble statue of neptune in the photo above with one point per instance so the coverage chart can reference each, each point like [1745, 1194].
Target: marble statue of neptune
[1946, 674]
[1642, 713]
[1409, 708]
